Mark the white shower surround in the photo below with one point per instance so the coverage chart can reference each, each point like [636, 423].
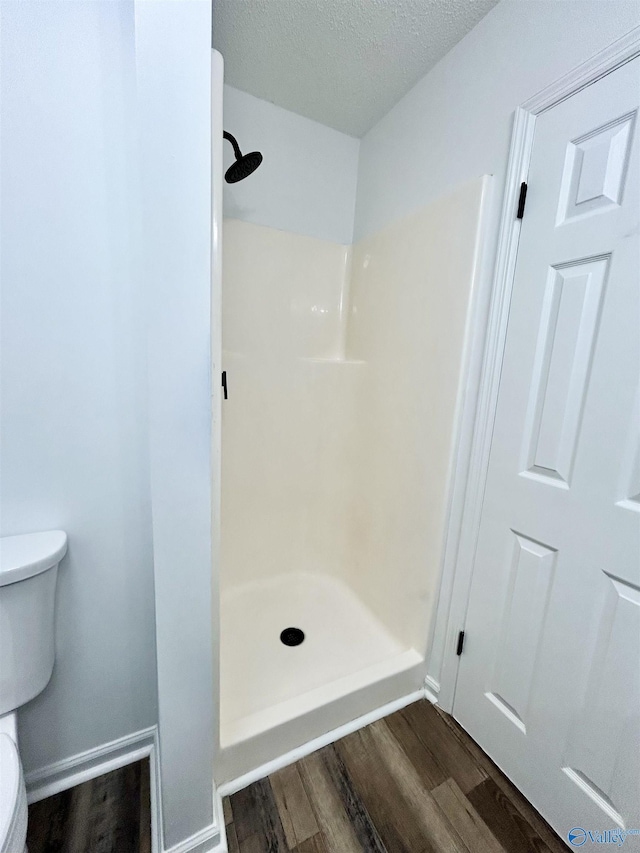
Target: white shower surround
[344, 370]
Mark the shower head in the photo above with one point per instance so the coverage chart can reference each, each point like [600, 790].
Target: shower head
[243, 167]
[245, 163]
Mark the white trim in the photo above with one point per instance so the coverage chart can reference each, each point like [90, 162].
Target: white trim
[217, 219]
[217, 224]
[317, 743]
[219, 810]
[65, 774]
[469, 491]
[618, 53]
[206, 841]
[458, 475]
[458, 570]
[157, 821]
[431, 689]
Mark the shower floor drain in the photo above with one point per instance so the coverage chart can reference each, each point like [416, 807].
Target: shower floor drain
[292, 636]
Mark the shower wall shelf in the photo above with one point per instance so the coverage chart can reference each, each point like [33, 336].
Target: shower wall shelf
[337, 360]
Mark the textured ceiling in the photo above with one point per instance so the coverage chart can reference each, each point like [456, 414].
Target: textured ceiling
[344, 63]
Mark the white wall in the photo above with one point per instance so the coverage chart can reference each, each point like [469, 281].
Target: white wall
[307, 181]
[455, 124]
[173, 59]
[74, 396]
[106, 378]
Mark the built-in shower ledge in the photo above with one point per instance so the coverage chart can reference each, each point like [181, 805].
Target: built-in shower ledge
[314, 360]
[305, 359]
[377, 678]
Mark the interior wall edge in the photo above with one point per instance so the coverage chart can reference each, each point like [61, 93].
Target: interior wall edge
[217, 189]
[441, 639]
[173, 86]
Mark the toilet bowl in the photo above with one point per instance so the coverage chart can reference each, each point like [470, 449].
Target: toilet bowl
[28, 573]
[13, 795]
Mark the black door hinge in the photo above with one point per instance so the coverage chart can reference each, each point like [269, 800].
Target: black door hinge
[460, 645]
[224, 384]
[522, 200]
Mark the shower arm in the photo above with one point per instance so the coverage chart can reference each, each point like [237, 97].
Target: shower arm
[243, 165]
[236, 148]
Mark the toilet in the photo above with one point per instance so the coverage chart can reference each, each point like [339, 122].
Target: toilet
[28, 573]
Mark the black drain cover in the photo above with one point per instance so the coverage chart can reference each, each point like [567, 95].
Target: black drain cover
[292, 636]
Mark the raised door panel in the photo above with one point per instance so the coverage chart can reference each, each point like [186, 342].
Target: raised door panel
[605, 732]
[529, 580]
[564, 352]
[596, 166]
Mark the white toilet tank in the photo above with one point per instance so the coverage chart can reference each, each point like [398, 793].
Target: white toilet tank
[28, 573]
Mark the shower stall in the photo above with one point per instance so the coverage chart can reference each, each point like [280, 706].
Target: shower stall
[342, 365]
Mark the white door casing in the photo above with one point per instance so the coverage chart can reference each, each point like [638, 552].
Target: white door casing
[549, 682]
[477, 404]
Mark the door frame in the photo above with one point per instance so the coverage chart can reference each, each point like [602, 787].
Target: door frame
[475, 427]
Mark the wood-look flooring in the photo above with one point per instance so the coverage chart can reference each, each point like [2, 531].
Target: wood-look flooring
[110, 814]
[414, 782]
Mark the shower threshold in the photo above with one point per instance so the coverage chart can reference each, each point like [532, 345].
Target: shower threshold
[276, 697]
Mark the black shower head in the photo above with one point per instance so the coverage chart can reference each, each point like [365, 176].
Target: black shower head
[245, 163]
[243, 167]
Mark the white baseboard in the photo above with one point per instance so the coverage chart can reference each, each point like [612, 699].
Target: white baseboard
[222, 844]
[62, 775]
[211, 839]
[65, 774]
[317, 743]
[208, 840]
[431, 689]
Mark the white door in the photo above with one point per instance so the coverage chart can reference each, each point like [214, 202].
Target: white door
[549, 681]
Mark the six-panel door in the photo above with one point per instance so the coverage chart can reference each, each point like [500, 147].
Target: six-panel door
[549, 681]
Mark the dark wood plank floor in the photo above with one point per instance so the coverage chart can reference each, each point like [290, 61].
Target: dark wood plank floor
[110, 814]
[414, 782]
